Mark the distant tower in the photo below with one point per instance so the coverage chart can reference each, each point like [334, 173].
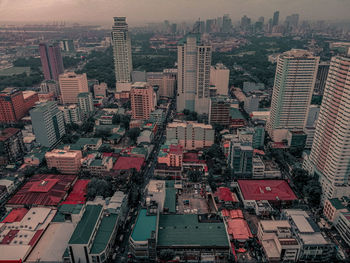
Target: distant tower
[330, 153]
[292, 91]
[193, 62]
[275, 19]
[51, 61]
[122, 54]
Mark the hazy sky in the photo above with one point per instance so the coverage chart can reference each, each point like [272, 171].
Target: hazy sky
[138, 11]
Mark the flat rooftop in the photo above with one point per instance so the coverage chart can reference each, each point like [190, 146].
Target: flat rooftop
[104, 232]
[144, 226]
[270, 190]
[187, 230]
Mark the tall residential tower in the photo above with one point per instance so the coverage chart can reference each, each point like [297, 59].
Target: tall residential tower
[122, 54]
[294, 83]
[193, 69]
[51, 61]
[330, 153]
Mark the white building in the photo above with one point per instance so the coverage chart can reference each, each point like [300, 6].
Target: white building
[310, 126]
[330, 151]
[219, 77]
[122, 54]
[193, 60]
[86, 104]
[191, 135]
[293, 87]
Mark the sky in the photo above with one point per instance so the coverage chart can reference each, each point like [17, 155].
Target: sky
[141, 11]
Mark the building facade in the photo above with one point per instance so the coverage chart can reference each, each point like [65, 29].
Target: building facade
[330, 150]
[48, 123]
[321, 78]
[193, 60]
[51, 60]
[191, 135]
[71, 114]
[100, 90]
[65, 161]
[122, 54]
[219, 77]
[71, 85]
[12, 147]
[293, 87]
[219, 110]
[85, 104]
[142, 100]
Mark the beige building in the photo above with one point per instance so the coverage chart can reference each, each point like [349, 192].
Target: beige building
[100, 90]
[65, 161]
[143, 100]
[165, 80]
[71, 85]
[191, 135]
[219, 77]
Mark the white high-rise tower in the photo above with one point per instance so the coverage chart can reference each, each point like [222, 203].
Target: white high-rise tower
[193, 63]
[330, 153]
[122, 54]
[292, 91]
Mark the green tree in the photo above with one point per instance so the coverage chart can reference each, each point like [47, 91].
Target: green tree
[166, 255]
[194, 175]
[133, 134]
[99, 187]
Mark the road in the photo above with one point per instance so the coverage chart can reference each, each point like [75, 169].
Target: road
[147, 172]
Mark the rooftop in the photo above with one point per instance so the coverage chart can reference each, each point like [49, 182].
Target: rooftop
[187, 230]
[126, 163]
[239, 229]
[104, 233]
[78, 193]
[43, 190]
[144, 226]
[86, 225]
[336, 203]
[270, 190]
[225, 194]
[7, 133]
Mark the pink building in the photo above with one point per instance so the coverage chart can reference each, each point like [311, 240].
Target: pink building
[65, 161]
[51, 61]
[171, 156]
[143, 100]
[71, 85]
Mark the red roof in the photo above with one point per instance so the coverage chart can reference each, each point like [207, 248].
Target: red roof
[36, 237]
[78, 194]
[239, 229]
[9, 237]
[232, 213]
[55, 190]
[192, 158]
[128, 162]
[175, 149]
[15, 215]
[224, 194]
[270, 190]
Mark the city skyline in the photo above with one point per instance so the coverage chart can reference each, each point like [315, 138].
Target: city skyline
[88, 11]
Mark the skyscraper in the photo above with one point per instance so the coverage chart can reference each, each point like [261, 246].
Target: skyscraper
[330, 153]
[122, 54]
[71, 85]
[275, 18]
[48, 123]
[51, 61]
[143, 100]
[193, 64]
[226, 24]
[294, 82]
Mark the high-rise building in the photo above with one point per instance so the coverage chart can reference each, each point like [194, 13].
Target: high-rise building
[166, 81]
[245, 22]
[86, 103]
[310, 126]
[71, 85]
[294, 82]
[67, 45]
[275, 18]
[143, 100]
[330, 153]
[219, 77]
[209, 25]
[122, 54]
[14, 104]
[226, 24]
[12, 147]
[241, 158]
[48, 123]
[219, 110]
[193, 62]
[321, 78]
[50, 86]
[51, 60]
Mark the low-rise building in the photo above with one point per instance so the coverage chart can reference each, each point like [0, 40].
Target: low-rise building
[65, 161]
[71, 114]
[96, 164]
[191, 135]
[314, 245]
[146, 136]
